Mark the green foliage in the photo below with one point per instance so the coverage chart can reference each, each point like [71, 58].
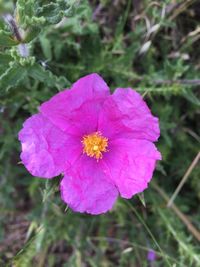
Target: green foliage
[6, 39]
[148, 46]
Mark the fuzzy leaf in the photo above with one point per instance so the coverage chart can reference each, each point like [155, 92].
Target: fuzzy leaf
[40, 13]
[5, 59]
[24, 11]
[47, 77]
[52, 13]
[31, 33]
[11, 77]
[6, 39]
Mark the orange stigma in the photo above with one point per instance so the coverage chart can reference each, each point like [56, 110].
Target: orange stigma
[94, 144]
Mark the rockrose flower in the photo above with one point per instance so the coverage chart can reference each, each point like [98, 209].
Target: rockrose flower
[102, 143]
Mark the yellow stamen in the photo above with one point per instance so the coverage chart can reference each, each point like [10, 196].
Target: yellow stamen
[94, 144]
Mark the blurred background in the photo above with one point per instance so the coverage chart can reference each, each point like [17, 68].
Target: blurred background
[151, 46]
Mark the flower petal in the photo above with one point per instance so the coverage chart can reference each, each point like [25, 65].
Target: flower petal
[86, 189]
[59, 108]
[46, 150]
[130, 164]
[128, 115]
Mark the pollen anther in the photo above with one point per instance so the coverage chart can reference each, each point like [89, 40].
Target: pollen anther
[94, 144]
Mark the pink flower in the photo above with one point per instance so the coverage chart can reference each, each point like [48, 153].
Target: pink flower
[102, 143]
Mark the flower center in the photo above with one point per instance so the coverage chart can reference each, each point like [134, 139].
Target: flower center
[94, 144]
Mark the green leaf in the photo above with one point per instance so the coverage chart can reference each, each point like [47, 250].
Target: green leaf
[40, 13]
[189, 95]
[6, 39]
[24, 10]
[11, 77]
[46, 46]
[31, 33]
[47, 77]
[52, 13]
[142, 199]
[5, 59]
[6, 6]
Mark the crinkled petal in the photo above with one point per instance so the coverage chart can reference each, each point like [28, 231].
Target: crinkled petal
[61, 108]
[85, 188]
[125, 114]
[46, 150]
[84, 120]
[130, 164]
